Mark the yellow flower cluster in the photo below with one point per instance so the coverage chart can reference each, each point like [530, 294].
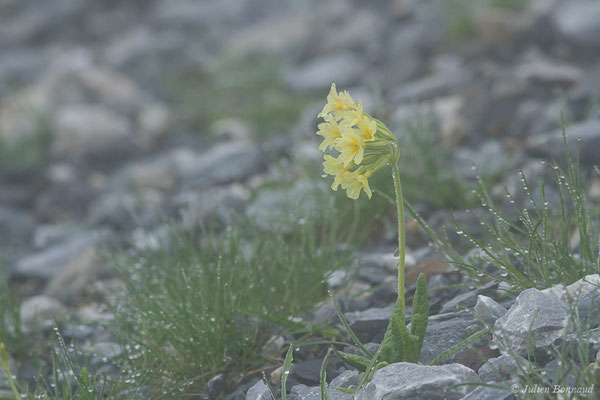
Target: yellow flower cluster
[362, 144]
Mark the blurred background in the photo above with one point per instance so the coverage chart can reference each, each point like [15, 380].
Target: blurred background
[117, 116]
[103, 100]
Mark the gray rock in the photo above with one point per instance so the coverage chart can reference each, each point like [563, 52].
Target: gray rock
[111, 88]
[502, 368]
[536, 321]
[585, 294]
[337, 278]
[550, 145]
[15, 225]
[39, 312]
[373, 275]
[153, 120]
[37, 19]
[469, 298]
[80, 129]
[197, 208]
[272, 35]
[309, 371]
[449, 75]
[488, 309]
[259, 391]
[303, 392]
[416, 381]
[216, 386]
[71, 281]
[159, 174]
[490, 393]
[579, 22]
[369, 323]
[488, 159]
[346, 379]
[106, 349]
[224, 163]
[48, 263]
[548, 72]
[446, 330]
[344, 69]
[282, 209]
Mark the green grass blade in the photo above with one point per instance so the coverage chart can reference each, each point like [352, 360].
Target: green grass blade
[355, 339]
[271, 391]
[355, 361]
[448, 353]
[323, 383]
[287, 366]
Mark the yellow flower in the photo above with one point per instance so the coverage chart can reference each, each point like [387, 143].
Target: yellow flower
[330, 131]
[332, 166]
[367, 129]
[354, 182]
[337, 102]
[350, 147]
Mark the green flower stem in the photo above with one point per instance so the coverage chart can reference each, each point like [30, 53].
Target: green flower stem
[12, 383]
[401, 236]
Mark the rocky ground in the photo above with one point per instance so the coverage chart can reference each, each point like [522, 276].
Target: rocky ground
[102, 142]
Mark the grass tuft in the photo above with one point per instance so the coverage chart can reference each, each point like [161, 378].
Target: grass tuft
[208, 301]
[543, 245]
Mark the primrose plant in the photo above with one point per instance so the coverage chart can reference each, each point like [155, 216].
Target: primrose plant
[359, 146]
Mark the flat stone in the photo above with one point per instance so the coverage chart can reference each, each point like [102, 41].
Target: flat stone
[369, 323]
[468, 299]
[490, 393]
[446, 330]
[39, 312]
[48, 263]
[416, 381]
[303, 392]
[536, 317]
[502, 368]
[548, 72]
[81, 128]
[309, 371]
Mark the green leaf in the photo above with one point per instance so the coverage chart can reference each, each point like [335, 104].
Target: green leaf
[346, 390]
[357, 342]
[287, 365]
[353, 360]
[370, 368]
[393, 345]
[323, 382]
[269, 387]
[420, 313]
